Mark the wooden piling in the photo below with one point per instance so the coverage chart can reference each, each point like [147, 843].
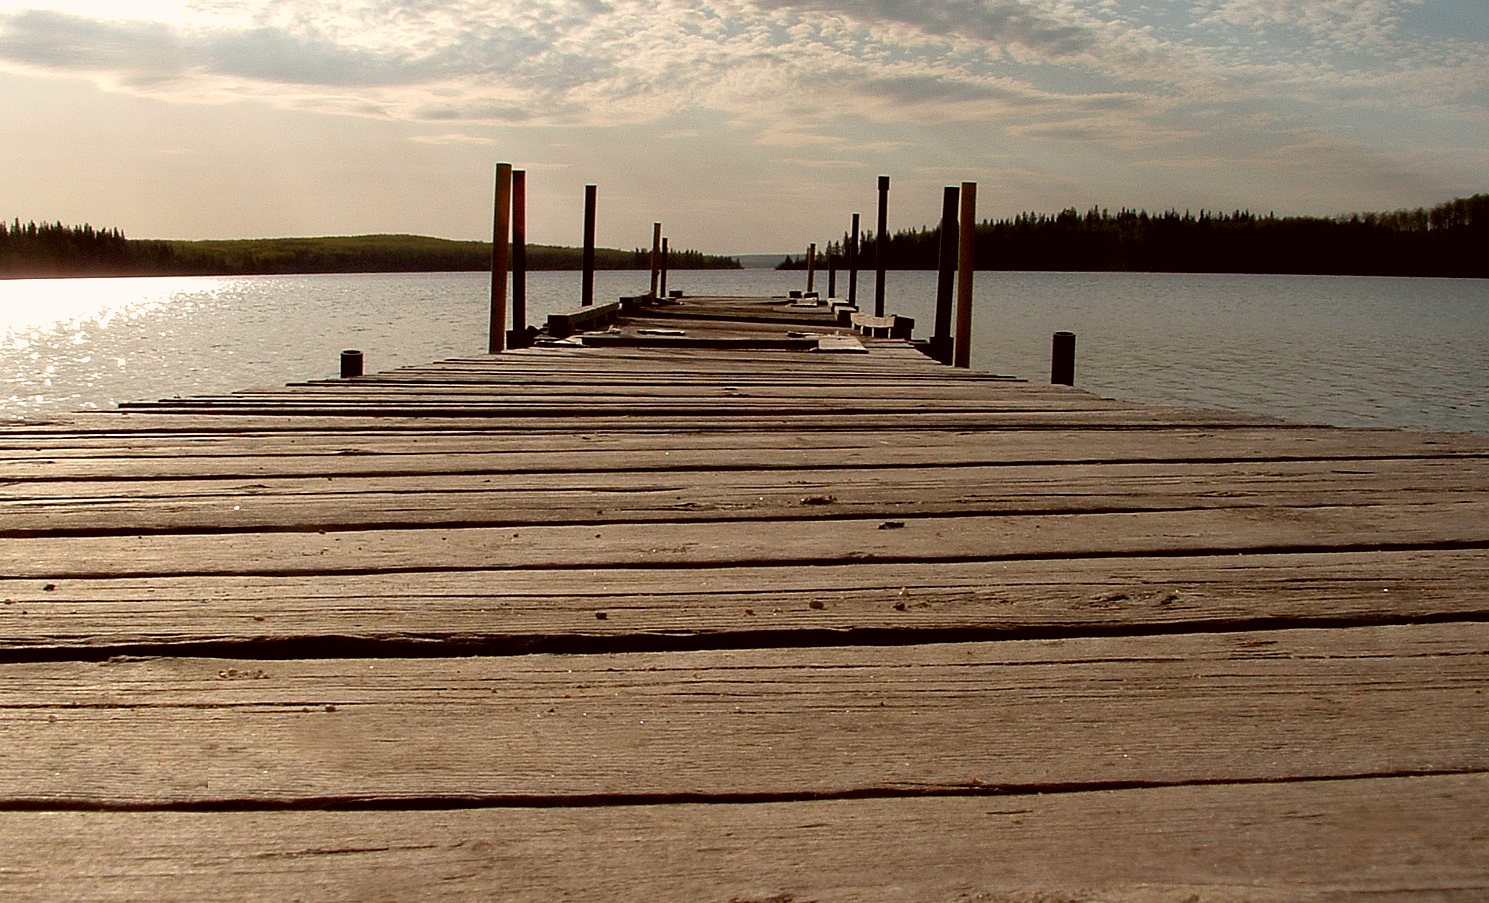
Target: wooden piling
[962, 347]
[500, 257]
[665, 252]
[1062, 359]
[879, 247]
[517, 338]
[587, 291]
[811, 265]
[853, 263]
[945, 278]
[656, 255]
[351, 363]
[832, 275]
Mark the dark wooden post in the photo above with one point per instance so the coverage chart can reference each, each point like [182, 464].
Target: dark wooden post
[853, 264]
[1062, 359]
[665, 252]
[517, 338]
[811, 266]
[962, 348]
[587, 290]
[832, 275]
[501, 224]
[879, 246]
[656, 255]
[941, 337]
[351, 363]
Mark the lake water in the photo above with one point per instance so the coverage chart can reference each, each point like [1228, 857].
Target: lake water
[1348, 351]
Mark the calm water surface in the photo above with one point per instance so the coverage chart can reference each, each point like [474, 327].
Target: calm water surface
[1343, 350]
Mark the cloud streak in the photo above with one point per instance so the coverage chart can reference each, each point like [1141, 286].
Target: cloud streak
[998, 23]
[566, 61]
[149, 53]
[624, 61]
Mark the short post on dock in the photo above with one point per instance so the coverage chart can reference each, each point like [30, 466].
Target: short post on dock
[351, 363]
[1062, 359]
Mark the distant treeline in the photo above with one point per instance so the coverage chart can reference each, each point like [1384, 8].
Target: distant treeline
[1450, 239]
[53, 249]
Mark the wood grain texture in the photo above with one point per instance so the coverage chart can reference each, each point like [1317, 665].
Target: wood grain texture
[511, 611]
[60, 457]
[1461, 523]
[1054, 715]
[306, 503]
[1398, 839]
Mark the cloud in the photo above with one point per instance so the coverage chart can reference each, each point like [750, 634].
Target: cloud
[994, 22]
[1340, 23]
[478, 111]
[143, 53]
[57, 41]
[271, 55]
[453, 138]
[784, 73]
[1112, 133]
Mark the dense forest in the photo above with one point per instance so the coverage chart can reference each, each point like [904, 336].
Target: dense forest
[54, 249]
[1450, 239]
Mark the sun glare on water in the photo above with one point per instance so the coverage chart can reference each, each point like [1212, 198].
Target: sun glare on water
[29, 306]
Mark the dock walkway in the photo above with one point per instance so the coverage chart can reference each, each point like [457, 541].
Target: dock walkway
[709, 617]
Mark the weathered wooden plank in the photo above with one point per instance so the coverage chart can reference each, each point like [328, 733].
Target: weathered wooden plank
[506, 499]
[851, 399]
[546, 381]
[1379, 839]
[170, 419]
[541, 380]
[733, 341]
[1462, 523]
[659, 409]
[1033, 715]
[577, 319]
[361, 391]
[645, 608]
[586, 371]
[228, 454]
[527, 381]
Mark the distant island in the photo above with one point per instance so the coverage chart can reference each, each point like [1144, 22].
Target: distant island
[32, 250]
[1451, 239]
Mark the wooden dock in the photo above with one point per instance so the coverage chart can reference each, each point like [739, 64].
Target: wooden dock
[714, 607]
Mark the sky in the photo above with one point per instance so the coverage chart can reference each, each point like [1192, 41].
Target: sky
[745, 126]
